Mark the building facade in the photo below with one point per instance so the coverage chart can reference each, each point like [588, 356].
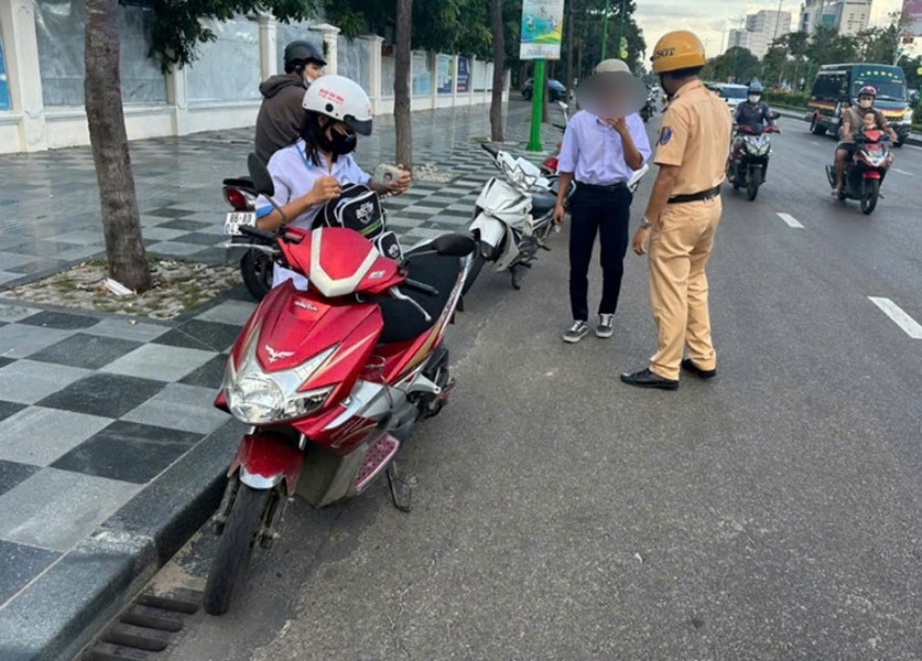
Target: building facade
[42, 74]
[847, 17]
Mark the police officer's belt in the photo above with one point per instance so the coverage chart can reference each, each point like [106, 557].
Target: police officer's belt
[611, 188]
[695, 197]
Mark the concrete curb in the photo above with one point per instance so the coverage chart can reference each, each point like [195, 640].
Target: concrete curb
[913, 139]
[59, 613]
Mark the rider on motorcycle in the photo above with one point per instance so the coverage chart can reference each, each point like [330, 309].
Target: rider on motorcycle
[853, 120]
[312, 171]
[281, 115]
[755, 114]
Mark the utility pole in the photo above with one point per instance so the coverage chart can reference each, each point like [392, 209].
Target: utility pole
[777, 21]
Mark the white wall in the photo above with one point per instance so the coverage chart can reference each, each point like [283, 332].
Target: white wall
[207, 95]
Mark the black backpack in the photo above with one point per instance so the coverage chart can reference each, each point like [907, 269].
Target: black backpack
[359, 208]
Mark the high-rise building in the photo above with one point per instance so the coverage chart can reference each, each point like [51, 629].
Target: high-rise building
[761, 29]
[847, 17]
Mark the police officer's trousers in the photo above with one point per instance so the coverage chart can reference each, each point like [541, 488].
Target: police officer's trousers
[679, 250]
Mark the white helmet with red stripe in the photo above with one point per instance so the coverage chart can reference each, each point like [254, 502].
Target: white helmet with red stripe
[341, 99]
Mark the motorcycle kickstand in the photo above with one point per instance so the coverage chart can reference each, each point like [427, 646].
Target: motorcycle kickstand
[401, 491]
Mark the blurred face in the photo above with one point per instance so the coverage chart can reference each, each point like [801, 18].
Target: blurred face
[869, 121]
[865, 101]
[755, 98]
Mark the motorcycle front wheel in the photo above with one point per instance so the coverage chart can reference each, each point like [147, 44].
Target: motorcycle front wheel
[752, 186]
[870, 196]
[229, 568]
[256, 270]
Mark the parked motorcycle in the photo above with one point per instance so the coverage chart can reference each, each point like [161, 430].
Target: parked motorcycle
[513, 217]
[747, 169]
[331, 380]
[866, 171]
[255, 265]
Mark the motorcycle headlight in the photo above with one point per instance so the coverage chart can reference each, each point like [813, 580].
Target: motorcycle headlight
[259, 397]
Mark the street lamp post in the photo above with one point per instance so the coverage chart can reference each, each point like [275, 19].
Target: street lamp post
[621, 47]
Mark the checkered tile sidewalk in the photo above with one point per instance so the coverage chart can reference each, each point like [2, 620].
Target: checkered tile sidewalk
[93, 408]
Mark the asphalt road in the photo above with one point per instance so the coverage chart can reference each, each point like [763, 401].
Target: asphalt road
[772, 513]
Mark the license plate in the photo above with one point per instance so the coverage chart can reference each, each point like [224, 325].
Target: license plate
[237, 219]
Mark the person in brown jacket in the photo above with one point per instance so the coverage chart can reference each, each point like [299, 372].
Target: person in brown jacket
[281, 116]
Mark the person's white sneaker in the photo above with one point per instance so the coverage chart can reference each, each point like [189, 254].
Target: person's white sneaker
[576, 332]
[605, 327]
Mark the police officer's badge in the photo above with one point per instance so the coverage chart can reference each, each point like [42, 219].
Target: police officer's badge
[665, 135]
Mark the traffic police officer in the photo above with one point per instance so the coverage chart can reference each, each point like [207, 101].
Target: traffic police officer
[682, 215]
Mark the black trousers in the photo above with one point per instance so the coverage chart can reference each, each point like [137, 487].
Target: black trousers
[606, 214]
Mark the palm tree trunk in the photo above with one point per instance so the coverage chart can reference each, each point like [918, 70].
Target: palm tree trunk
[103, 99]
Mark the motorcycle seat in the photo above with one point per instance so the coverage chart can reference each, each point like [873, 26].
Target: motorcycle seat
[542, 204]
[402, 321]
[239, 182]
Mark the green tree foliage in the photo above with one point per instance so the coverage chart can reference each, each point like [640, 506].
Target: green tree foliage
[736, 63]
[178, 28]
[588, 25]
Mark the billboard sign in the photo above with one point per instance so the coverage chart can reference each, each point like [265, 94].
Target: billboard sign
[542, 29]
[912, 13]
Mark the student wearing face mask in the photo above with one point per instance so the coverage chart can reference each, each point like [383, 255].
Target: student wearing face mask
[312, 171]
[853, 120]
[281, 115]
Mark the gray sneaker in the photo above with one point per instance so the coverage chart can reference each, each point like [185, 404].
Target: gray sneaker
[576, 332]
[605, 327]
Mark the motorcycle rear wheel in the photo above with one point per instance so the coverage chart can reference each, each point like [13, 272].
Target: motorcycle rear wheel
[256, 269]
[229, 568]
[870, 196]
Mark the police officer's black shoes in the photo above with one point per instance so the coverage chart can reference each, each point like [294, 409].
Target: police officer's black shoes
[689, 366]
[647, 379]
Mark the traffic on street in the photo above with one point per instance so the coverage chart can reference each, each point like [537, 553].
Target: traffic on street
[772, 512]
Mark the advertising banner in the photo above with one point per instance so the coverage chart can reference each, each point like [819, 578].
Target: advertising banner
[912, 11]
[464, 75]
[443, 73]
[542, 29]
[4, 88]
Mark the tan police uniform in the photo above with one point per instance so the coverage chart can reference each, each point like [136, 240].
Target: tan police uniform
[695, 136]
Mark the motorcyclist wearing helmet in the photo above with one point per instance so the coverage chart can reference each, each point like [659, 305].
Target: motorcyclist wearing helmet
[754, 113]
[281, 115]
[311, 172]
[853, 120]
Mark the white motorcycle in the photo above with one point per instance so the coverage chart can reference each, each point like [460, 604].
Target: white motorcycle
[514, 216]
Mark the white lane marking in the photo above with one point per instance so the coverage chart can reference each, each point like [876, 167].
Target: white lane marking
[903, 172]
[912, 327]
[790, 220]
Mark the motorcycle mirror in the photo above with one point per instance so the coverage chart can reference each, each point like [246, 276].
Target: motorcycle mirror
[454, 245]
[259, 173]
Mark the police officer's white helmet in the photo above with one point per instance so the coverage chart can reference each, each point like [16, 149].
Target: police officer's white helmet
[341, 99]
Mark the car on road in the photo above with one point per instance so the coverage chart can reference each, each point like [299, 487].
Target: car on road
[556, 90]
[733, 94]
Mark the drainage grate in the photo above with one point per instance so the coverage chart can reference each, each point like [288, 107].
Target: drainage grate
[147, 626]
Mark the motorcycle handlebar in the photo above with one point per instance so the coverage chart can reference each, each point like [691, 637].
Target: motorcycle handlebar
[490, 150]
[421, 287]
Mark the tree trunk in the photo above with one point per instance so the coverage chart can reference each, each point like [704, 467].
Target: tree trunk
[102, 88]
[499, 73]
[570, 11]
[402, 121]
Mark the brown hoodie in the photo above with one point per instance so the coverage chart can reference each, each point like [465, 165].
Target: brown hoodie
[281, 115]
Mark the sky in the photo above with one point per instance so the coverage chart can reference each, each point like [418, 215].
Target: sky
[709, 18]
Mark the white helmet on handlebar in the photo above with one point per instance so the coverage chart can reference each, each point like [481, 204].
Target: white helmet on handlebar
[340, 99]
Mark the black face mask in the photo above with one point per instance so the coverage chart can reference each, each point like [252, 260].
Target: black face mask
[342, 143]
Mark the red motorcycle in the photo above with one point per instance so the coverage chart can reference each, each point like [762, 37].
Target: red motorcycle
[866, 171]
[331, 380]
